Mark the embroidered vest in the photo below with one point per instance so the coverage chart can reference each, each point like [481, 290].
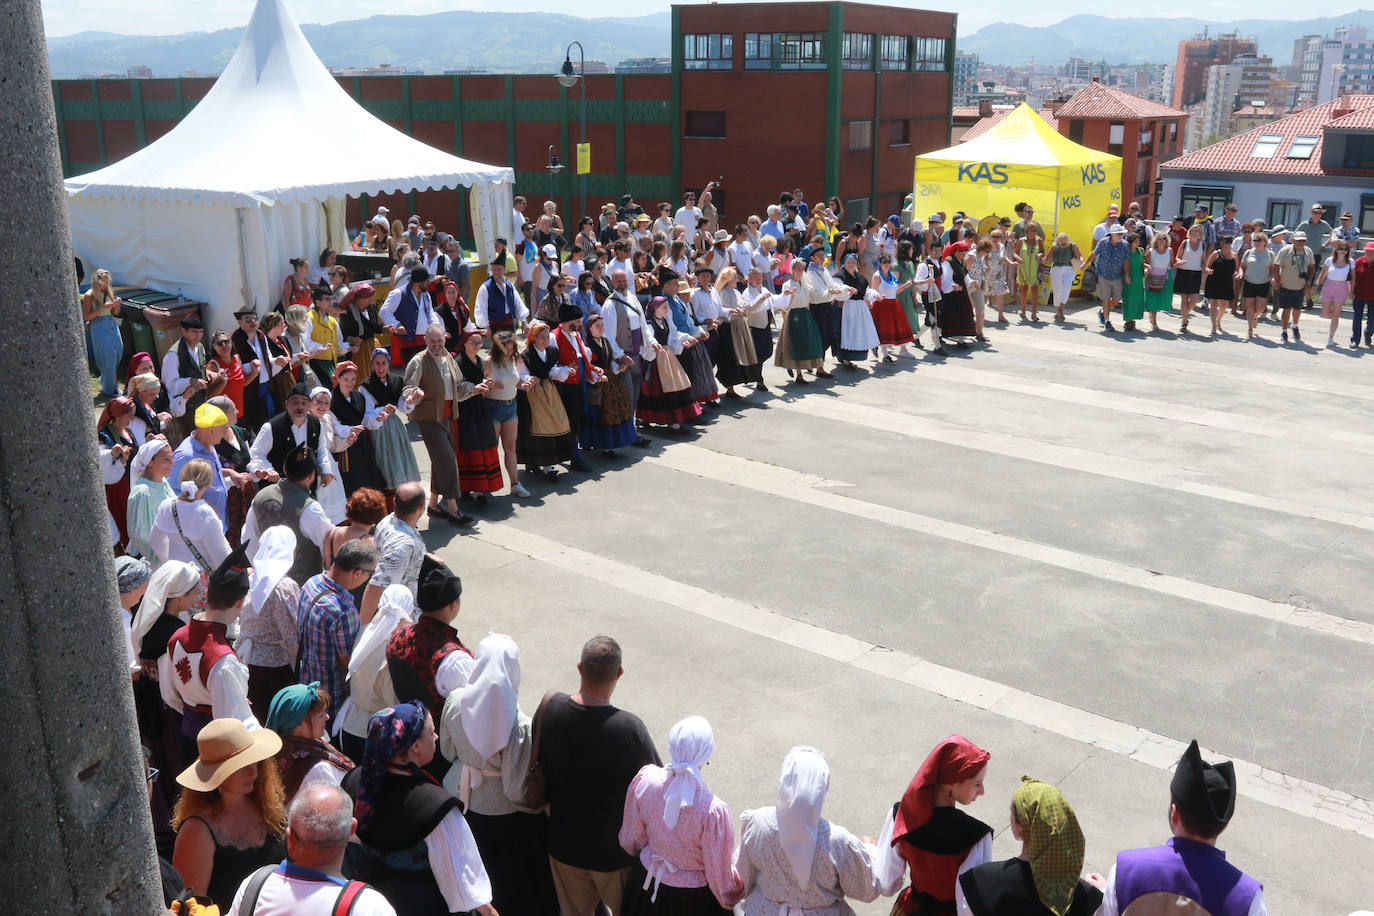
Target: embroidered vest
[324, 329]
[413, 656]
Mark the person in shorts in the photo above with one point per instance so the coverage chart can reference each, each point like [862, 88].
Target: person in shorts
[1292, 268]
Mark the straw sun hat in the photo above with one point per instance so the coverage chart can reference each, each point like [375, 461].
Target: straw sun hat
[226, 747]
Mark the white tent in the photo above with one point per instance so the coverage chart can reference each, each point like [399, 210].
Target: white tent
[250, 178]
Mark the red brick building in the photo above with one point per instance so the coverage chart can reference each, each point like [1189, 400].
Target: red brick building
[838, 105]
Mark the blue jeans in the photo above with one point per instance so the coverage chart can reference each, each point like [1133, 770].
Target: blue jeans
[108, 347]
[1363, 308]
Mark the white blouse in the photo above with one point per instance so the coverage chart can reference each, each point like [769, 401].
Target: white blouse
[201, 526]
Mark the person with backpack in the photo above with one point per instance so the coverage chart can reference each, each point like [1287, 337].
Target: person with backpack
[310, 881]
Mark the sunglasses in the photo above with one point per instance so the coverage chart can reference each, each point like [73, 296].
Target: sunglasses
[251, 319]
[222, 343]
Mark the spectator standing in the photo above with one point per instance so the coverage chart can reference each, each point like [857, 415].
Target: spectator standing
[590, 751]
[1363, 292]
[1292, 267]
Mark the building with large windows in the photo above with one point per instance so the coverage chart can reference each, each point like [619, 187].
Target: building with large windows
[839, 105]
[1276, 171]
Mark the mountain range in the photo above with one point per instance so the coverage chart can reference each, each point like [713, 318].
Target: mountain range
[496, 42]
[535, 42]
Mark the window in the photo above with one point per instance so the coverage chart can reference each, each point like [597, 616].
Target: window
[899, 133]
[857, 210]
[1266, 146]
[1116, 136]
[799, 50]
[1076, 130]
[894, 52]
[1284, 212]
[858, 52]
[1359, 151]
[713, 51]
[758, 50]
[860, 135]
[928, 54]
[1302, 147]
[709, 124]
[1216, 198]
[1366, 214]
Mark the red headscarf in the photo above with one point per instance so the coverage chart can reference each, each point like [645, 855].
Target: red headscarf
[953, 760]
[136, 359]
[114, 410]
[954, 248]
[341, 368]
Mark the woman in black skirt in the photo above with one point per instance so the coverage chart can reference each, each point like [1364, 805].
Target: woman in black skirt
[545, 437]
[357, 464]
[479, 463]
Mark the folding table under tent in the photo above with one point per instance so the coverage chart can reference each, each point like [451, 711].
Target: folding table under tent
[218, 206]
[1021, 159]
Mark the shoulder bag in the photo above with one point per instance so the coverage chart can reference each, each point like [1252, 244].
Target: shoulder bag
[533, 791]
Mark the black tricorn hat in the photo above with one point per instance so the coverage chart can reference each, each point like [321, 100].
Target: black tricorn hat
[1205, 790]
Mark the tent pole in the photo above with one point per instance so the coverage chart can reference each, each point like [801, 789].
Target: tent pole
[246, 288]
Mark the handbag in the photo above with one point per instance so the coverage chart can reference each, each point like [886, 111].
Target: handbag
[615, 403]
[547, 415]
[1155, 284]
[1089, 282]
[533, 789]
[671, 376]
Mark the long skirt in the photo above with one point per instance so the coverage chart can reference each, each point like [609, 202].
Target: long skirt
[1133, 297]
[539, 451]
[395, 456]
[663, 408]
[956, 315]
[1160, 300]
[734, 367]
[117, 500]
[596, 432]
[697, 362]
[799, 342]
[573, 402]
[515, 854]
[358, 465]
[763, 344]
[667, 901]
[894, 328]
[827, 322]
[857, 332]
[479, 462]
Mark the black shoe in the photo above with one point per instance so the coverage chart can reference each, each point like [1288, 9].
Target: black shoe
[439, 512]
[762, 387]
[480, 498]
[1108, 326]
[941, 351]
[1285, 337]
[641, 442]
[735, 395]
[821, 373]
[714, 405]
[550, 473]
[919, 345]
[578, 464]
[609, 453]
[462, 520]
[1297, 335]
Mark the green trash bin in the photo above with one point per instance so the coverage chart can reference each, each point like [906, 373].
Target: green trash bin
[137, 330]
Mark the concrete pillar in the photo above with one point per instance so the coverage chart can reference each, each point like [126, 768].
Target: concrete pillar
[73, 802]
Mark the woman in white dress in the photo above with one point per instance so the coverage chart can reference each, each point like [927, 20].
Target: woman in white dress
[858, 334]
[794, 861]
[186, 528]
[336, 438]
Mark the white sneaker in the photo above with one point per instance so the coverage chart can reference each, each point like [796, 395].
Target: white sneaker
[517, 489]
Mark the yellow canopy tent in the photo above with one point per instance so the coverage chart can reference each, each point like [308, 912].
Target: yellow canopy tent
[1021, 159]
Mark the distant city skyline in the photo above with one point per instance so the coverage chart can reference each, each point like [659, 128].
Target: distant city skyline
[157, 17]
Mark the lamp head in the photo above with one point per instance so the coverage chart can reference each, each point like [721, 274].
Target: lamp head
[567, 78]
[555, 164]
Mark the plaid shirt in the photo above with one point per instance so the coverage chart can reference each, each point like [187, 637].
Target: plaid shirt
[1109, 258]
[328, 622]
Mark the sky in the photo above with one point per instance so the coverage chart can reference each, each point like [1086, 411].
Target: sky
[171, 17]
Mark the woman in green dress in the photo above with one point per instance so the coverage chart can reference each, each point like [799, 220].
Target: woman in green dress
[1159, 278]
[906, 283]
[1031, 251]
[1133, 294]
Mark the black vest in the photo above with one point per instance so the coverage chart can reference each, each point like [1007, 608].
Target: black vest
[999, 888]
[188, 368]
[385, 392]
[282, 504]
[284, 440]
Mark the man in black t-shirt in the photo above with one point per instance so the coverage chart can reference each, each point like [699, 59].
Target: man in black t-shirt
[589, 751]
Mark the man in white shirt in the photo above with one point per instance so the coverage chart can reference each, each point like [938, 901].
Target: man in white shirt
[288, 502]
[705, 301]
[400, 551]
[620, 259]
[408, 310]
[717, 258]
[498, 306]
[300, 425]
[382, 218]
[741, 253]
[625, 331]
[310, 882]
[433, 260]
[518, 215]
[688, 215]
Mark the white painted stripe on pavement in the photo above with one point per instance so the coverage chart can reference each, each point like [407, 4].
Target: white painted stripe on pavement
[1151, 360]
[1154, 474]
[1145, 407]
[783, 482]
[1298, 796]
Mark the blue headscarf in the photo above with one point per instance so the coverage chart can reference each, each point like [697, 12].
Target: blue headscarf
[389, 732]
[290, 707]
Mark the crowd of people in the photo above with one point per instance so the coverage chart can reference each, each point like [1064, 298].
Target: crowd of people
[293, 646]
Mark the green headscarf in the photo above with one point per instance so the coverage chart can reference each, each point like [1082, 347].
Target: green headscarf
[1055, 843]
[290, 707]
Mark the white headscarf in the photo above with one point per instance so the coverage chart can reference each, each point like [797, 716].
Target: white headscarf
[276, 553]
[395, 607]
[489, 705]
[801, 793]
[690, 742]
[170, 580]
[145, 455]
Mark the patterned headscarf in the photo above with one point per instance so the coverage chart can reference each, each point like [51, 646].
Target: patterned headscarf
[389, 732]
[953, 760]
[1055, 843]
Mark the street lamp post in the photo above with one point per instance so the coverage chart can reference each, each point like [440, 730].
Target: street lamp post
[555, 166]
[566, 79]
